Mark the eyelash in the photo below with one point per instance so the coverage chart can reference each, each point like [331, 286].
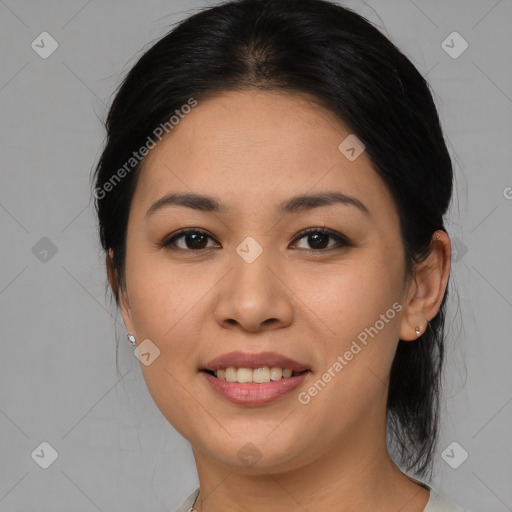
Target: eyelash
[342, 240]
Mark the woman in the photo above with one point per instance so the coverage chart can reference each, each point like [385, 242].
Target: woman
[270, 201]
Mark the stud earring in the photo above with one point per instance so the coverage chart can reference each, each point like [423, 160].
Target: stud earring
[418, 328]
[131, 339]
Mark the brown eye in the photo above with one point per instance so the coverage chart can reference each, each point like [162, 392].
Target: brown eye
[318, 239]
[197, 240]
[188, 240]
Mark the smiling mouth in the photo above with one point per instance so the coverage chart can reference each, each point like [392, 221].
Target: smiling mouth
[262, 375]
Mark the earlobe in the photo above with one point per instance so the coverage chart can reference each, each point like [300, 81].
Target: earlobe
[428, 288]
[411, 331]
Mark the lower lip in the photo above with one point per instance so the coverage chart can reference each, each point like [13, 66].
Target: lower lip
[254, 394]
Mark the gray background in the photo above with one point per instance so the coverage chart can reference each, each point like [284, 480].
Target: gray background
[58, 379]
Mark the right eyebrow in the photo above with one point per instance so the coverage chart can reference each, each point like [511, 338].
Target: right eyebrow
[189, 200]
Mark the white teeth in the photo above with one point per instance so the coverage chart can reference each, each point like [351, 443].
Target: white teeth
[259, 375]
[244, 375]
[231, 374]
[276, 373]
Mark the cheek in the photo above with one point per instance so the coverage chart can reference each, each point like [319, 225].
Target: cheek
[360, 305]
[164, 296]
[354, 295]
[165, 308]
[361, 309]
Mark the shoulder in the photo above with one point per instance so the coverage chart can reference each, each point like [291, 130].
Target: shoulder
[439, 503]
[187, 504]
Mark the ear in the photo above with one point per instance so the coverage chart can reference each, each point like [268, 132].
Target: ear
[120, 293]
[427, 287]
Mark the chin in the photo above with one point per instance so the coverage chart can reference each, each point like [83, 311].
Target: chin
[256, 453]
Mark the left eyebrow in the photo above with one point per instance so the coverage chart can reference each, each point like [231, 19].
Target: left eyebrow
[295, 204]
[310, 201]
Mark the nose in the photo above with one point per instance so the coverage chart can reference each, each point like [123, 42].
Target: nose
[254, 297]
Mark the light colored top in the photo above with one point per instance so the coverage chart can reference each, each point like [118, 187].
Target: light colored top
[436, 503]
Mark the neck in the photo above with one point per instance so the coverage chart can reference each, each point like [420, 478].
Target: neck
[357, 476]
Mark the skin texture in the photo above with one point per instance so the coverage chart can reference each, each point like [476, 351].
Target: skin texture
[251, 150]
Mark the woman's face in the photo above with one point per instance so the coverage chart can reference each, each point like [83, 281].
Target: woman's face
[252, 281]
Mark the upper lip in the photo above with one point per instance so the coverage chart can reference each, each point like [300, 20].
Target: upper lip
[247, 360]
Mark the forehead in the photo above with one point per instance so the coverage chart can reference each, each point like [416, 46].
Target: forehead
[257, 148]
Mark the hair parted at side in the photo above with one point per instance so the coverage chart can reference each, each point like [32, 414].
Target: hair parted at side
[348, 66]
